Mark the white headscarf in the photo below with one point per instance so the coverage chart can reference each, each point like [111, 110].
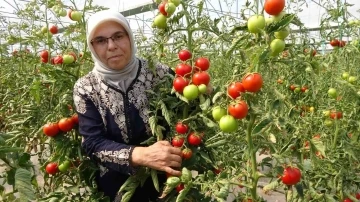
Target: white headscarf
[118, 78]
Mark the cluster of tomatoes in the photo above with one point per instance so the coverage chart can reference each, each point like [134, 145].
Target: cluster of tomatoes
[65, 125]
[166, 9]
[297, 89]
[59, 59]
[238, 108]
[189, 81]
[53, 167]
[193, 139]
[337, 43]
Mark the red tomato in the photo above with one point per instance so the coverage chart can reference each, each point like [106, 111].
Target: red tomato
[201, 78]
[342, 43]
[161, 8]
[186, 153]
[252, 82]
[44, 54]
[65, 124]
[58, 60]
[347, 200]
[238, 110]
[334, 42]
[292, 87]
[194, 139]
[357, 196]
[51, 129]
[75, 119]
[53, 29]
[336, 115]
[69, 14]
[180, 187]
[181, 128]
[291, 176]
[184, 55]
[274, 7]
[52, 168]
[202, 63]
[304, 88]
[180, 83]
[183, 69]
[178, 141]
[235, 89]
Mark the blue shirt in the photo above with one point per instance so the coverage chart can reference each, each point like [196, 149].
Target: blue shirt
[112, 123]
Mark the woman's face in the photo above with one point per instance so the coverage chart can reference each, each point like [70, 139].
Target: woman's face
[115, 52]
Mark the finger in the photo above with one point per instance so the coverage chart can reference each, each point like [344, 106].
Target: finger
[172, 171]
[176, 151]
[165, 143]
[175, 164]
[176, 158]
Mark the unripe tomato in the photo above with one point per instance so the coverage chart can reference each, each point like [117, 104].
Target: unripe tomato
[191, 92]
[228, 124]
[64, 166]
[218, 112]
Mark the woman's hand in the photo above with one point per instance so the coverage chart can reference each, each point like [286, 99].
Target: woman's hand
[159, 156]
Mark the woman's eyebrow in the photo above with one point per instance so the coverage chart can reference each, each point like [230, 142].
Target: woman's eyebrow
[118, 32]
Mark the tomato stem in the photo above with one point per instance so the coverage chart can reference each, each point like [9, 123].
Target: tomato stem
[336, 133]
[252, 154]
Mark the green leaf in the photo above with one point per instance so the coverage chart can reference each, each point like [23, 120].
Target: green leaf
[205, 156]
[205, 105]
[23, 184]
[155, 179]
[165, 112]
[318, 146]
[239, 28]
[216, 96]
[6, 149]
[152, 122]
[24, 159]
[271, 186]
[300, 189]
[281, 24]
[210, 123]
[263, 123]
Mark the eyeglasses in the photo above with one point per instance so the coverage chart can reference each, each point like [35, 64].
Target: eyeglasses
[102, 42]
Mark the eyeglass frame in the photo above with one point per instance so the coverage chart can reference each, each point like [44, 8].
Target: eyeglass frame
[107, 38]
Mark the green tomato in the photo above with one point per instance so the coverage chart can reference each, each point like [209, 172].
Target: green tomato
[160, 21]
[191, 92]
[76, 16]
[282, 34]
[62, 12]
[170, 8]
[326, 113]
[332, 92]
[345, 75]
[44, 30]
[256, 23]
[268, 21]
[67, 59]
[277, 46]
[279, 16]
[228, 124]
[297, 90]
[64, 166]
[328, 122]
[175, 2]
[218, 112]
[308, 69]
[202, 88]
[352, 79]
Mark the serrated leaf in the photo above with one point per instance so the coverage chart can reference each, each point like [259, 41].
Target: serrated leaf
[318, 145]
[207, 121]
[205, 156]
[205, 105]
[239, 28]
[216, 96]
[155, 179]
[281, 24]
[152, 122]
[300, 190]
[23, 184]
[263, 123]
[178, 95]
[272, 186]
[7, 149]
[330, 198]
[159, 133]
[165, 112]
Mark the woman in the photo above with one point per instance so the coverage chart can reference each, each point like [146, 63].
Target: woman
[112, 107]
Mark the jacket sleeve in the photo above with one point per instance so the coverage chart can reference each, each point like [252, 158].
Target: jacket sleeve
[110, 154]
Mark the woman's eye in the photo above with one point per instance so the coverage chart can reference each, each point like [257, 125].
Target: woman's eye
[118, 36]
[100, 41]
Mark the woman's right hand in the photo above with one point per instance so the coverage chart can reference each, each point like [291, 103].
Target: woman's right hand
[159, 156]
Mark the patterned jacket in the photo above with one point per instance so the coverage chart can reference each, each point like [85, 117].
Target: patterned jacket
[112, 122]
